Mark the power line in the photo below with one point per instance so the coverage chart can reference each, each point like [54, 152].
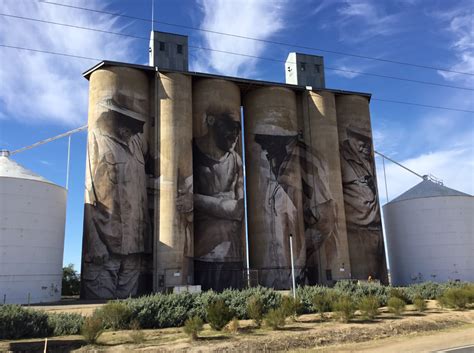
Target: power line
[422, 105]
[95, 59]
[240, 54]
[261, 40]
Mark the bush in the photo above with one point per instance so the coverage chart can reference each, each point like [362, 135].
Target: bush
[17, 322]
[255, 310]
[369, 307]
[92, 329]
[396, 305]
[345, 308]
[136, 334]
[420, 304]
[457, 298]
[292, 307]
[275, 318]
[63, 324]
[164, 310]
[400, 293]
[114, 315]
[218, 314]
[322, 303]
[71, 281]
[193, 326]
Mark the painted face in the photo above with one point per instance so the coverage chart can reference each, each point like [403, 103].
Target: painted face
[364, 148]
[274, 145]
[226, 131]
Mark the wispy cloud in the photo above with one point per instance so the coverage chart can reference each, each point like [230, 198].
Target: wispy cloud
[251, 18]
[48, 88]
[360, 20]
[460, 26]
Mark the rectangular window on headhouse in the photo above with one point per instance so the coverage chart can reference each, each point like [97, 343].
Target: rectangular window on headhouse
[328, 275]
[162, 46]
[303, 66]
[317, 68]
[180, 49]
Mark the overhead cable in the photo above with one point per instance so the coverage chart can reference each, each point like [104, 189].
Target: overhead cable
[95, 59]
[261, 40]
[241, 54]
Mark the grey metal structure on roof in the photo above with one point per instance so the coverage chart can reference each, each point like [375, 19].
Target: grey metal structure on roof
[427, 188]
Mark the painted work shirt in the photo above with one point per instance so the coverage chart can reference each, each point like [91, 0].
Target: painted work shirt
[360, 191]
[282, 199]
[218, 207]
[116, 186]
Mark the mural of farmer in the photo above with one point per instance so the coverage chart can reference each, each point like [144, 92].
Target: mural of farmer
[218, 203]
[116, 219]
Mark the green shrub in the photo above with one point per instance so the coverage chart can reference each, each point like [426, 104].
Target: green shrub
[17, 322]
[396, 305]
[344, 308]
[275, 318]
[322, 303]
[255, 310]
[369, 307]
[136, 334]
[457, 298]
[292, 307]
[400, 293]
[218, 314]
[92, 329]
[420, 304]
[114, 315]
[164, 310]
[193, 326]
[63, 324]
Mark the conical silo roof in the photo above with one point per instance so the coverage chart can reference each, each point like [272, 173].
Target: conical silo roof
[11, 169]
[427, 188]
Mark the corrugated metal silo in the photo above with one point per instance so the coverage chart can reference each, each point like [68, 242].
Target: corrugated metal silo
[430, 235]
[32, 218]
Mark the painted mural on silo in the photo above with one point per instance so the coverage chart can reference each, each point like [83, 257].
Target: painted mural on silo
[364, 226]
[327, 253]
[274, 186]
[116, 222]
[218, 185]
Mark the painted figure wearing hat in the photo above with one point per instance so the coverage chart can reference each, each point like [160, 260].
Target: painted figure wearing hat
[361, 205]
[116, 218]
[218, 202]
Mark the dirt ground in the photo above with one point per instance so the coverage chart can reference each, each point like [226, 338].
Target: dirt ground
[432, 330]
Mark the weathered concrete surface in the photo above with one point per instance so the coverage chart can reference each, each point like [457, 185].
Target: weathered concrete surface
[364, 227]
[218, 184]
[321, 136]
[116, 223]
[274, 186]
[174, 235]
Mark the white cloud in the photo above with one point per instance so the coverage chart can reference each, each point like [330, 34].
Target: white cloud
[360, 20]
[460, 25]
[37, 87]
[248, 18]
[455, 167]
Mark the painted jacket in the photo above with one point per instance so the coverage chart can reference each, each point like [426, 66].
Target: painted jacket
[116, 189]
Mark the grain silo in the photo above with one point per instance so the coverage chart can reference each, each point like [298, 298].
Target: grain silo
[430, 235]
[32, 219]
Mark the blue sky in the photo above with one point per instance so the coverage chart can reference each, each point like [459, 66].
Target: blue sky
[44, 95]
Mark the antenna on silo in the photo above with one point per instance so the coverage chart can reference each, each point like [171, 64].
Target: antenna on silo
[152, 15]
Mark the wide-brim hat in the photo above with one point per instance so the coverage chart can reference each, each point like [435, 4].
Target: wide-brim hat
[359, 132]
[111, 104]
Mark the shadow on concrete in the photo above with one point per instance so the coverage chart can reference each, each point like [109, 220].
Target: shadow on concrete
[56, 345]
